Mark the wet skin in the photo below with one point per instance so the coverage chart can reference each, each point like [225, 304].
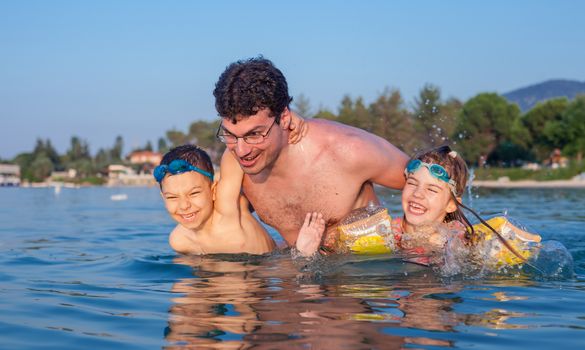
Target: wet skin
[331, 170]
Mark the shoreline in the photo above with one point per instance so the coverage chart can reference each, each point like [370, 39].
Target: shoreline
[503, 183]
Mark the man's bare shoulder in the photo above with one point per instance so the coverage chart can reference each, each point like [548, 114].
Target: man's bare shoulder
[341, 140]
[357, 151]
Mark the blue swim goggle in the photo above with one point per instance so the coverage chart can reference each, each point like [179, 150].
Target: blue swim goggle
[177, 166]
[435, 170]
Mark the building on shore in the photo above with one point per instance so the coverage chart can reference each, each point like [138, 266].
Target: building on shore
[66, 175]
[122, 175]
[9, 175]
[145, 157]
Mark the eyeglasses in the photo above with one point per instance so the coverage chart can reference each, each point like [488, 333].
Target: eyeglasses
[435, 170]
[252, 139]
[177, 166]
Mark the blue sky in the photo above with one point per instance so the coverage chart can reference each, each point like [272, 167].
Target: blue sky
[97, 69]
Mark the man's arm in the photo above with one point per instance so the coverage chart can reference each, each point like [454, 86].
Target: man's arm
[377, 159]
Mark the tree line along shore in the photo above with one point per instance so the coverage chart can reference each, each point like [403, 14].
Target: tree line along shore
[544, 143]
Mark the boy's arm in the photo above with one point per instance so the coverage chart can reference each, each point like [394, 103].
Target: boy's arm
[229, 185]
[298, 128]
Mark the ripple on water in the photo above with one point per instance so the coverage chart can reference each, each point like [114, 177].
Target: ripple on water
[87, 272]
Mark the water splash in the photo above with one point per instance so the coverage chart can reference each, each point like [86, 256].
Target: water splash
[554, 261]
[470, 186]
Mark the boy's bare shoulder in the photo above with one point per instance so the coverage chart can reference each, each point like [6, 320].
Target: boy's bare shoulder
[183, 240]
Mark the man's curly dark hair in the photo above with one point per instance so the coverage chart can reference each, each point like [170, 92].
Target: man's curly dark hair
[248, 86]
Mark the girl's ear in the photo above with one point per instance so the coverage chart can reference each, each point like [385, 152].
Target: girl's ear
[452, 206]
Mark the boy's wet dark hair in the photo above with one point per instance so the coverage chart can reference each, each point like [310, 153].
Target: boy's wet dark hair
[192, 155]
[248, 86]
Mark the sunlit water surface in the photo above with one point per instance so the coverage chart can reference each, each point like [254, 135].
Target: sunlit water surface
[80, 271]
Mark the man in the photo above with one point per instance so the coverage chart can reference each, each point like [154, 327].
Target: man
[331, 170]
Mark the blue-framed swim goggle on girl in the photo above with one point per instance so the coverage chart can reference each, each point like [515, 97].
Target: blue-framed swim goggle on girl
[435, 170]
[177, 166]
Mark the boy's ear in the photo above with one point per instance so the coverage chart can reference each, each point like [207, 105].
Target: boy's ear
[452, 206]
[285, 119]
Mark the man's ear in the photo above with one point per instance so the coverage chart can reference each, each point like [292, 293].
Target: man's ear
[452, 206]
[285, 119]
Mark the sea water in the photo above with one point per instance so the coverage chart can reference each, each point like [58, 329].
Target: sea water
[79, 270]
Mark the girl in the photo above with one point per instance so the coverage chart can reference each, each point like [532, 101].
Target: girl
[431, 200]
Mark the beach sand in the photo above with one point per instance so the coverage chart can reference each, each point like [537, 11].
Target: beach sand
[505, 183]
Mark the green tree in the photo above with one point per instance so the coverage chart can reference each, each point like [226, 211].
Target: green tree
[427, 112]
[24, 160]
[176, 137]
[45, 148]
[202, 133]
[78, 157]
[541, 123]
[78, 149]
[84, 167]
[486, 121]
[162, 145]
[41, 168]
[346, 113]
[448, 117]
[116, 151]
[102, 159]
[392, 120]
[362, 117]
[324, 113]
[302, 106]
[573, 120]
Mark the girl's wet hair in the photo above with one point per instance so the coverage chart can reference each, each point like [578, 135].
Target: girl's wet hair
[458, 172]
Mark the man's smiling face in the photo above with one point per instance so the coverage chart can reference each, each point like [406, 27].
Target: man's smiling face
[254, 158]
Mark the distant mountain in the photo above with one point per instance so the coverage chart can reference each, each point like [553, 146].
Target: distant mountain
[527, 97]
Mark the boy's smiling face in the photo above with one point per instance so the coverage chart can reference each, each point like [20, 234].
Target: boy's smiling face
[426, 199]
[188, 198]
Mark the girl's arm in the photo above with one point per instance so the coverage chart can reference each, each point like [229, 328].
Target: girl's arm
[310, 235]
[523, 235]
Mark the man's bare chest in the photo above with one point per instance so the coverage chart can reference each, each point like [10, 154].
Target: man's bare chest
[284, 206]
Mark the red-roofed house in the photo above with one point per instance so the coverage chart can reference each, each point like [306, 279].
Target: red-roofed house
[145, 157]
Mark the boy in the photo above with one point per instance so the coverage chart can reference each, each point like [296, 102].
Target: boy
[212, 216]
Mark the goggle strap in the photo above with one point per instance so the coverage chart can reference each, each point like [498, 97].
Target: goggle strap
[190, 168]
